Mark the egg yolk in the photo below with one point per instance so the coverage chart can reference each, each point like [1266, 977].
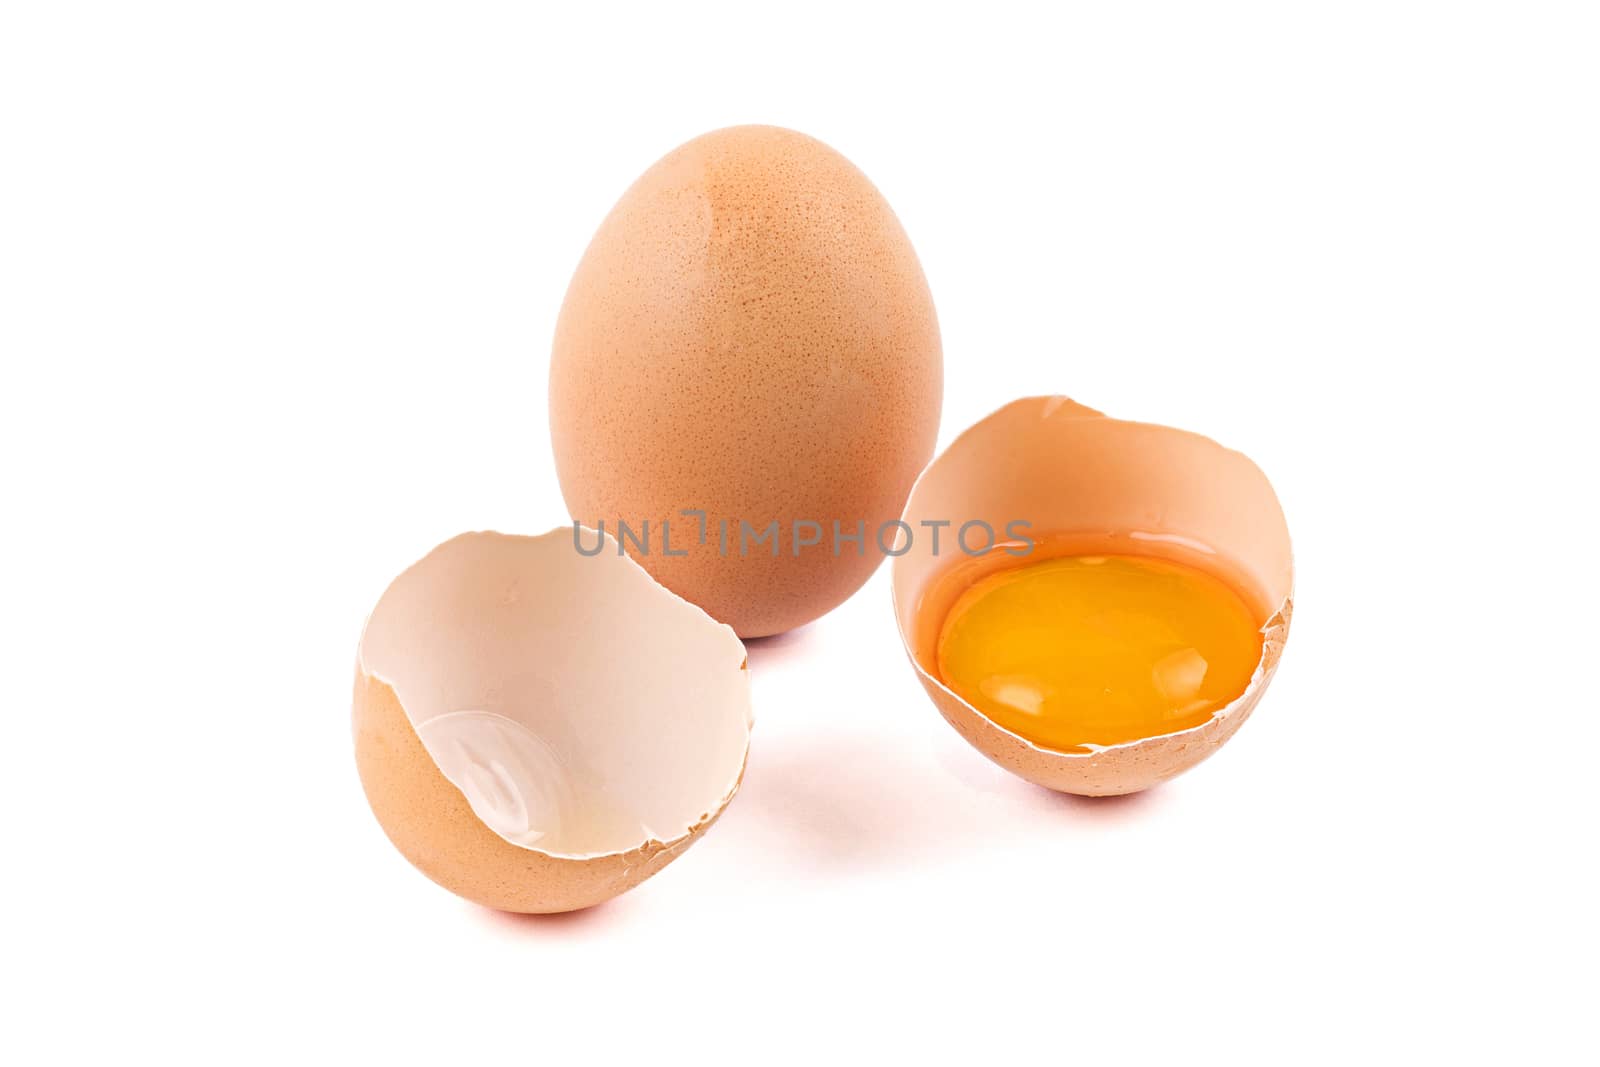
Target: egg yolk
[1098, 650]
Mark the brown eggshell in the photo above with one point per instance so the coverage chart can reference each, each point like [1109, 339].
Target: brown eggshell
[749, 335]
[1068, 470]
[538, 731]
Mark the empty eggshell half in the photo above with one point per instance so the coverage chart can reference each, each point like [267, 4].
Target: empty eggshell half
[1068, 470]
[538, 730]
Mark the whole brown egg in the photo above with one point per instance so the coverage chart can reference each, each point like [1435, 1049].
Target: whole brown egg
[747, 376]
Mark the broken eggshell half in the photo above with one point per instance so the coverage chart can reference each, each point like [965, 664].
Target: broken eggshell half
[1072, 473]
[538, 730]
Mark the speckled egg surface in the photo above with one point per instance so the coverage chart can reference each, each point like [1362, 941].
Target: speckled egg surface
[748, 340]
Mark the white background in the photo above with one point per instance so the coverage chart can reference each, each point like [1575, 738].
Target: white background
[277, 285]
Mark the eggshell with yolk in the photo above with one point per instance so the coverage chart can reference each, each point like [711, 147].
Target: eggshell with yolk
[1066, 469]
